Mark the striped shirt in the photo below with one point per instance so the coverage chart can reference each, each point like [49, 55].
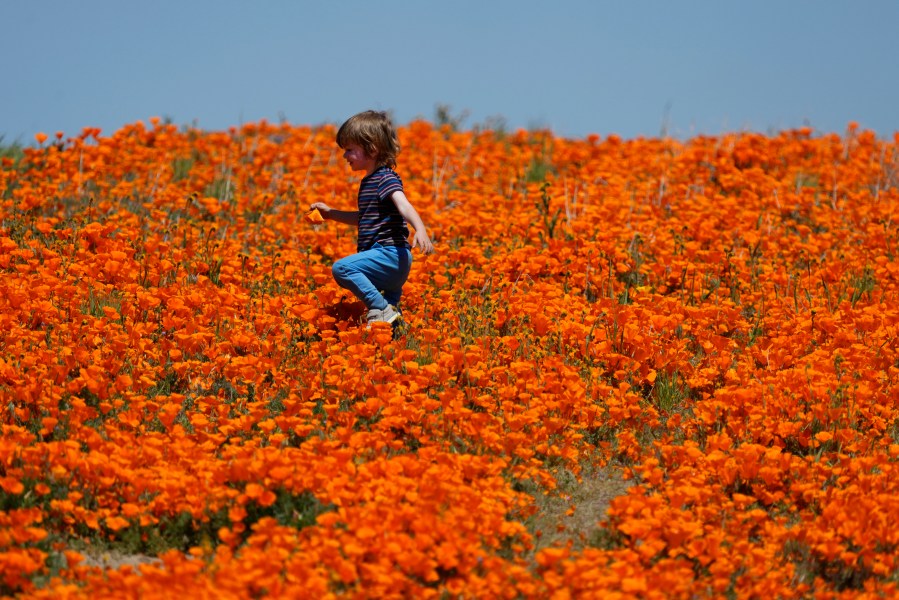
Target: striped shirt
[379, 219]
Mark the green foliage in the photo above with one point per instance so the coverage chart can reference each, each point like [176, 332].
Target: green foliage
[13, 151]
[184, 531]
[550, 218]
[537, 171]
[862, 284]
[812, 568]
[444, 117]
[181, 168]
[670, 392]
[633, 277]
[94, 304]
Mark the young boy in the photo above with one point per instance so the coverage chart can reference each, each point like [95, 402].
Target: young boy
[383, 253]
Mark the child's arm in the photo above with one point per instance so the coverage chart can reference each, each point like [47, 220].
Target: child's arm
[420, 239]
[350, 217]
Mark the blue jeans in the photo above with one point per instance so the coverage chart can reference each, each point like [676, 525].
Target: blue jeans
[369, 273]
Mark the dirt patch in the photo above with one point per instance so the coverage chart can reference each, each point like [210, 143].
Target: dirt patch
[572, 512]
[112, 559]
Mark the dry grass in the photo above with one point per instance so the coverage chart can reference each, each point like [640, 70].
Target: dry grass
[572, 513]
[108, 558]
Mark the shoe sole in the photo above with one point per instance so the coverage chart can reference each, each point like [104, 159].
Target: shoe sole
[396, 315]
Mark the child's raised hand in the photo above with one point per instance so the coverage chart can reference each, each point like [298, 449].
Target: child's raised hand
[317, 212]
[313, 216]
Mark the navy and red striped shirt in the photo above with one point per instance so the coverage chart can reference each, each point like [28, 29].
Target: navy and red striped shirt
[379, 219]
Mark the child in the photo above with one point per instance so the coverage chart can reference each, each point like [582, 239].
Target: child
[383, 253]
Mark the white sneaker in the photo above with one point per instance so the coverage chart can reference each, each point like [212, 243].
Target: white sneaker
[388, 315]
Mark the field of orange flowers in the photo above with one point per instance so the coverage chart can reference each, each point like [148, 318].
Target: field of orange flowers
[713, 320]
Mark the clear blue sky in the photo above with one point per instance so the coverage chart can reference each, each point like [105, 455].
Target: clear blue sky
[577, 67]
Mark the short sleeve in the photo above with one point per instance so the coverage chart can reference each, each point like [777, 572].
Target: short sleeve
[389, 184]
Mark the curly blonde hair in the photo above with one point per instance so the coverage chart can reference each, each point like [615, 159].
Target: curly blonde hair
[373, 131]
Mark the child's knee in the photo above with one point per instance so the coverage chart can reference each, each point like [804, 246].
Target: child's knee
[340, 271]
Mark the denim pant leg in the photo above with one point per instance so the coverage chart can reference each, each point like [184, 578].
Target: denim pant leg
[380, 268]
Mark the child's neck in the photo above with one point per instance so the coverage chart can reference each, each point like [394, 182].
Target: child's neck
[373, 169]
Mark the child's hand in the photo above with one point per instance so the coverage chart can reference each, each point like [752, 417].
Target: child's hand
[313, 216]
[319, 210]
[423, 242]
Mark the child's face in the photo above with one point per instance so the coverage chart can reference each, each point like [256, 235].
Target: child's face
[358, 159]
